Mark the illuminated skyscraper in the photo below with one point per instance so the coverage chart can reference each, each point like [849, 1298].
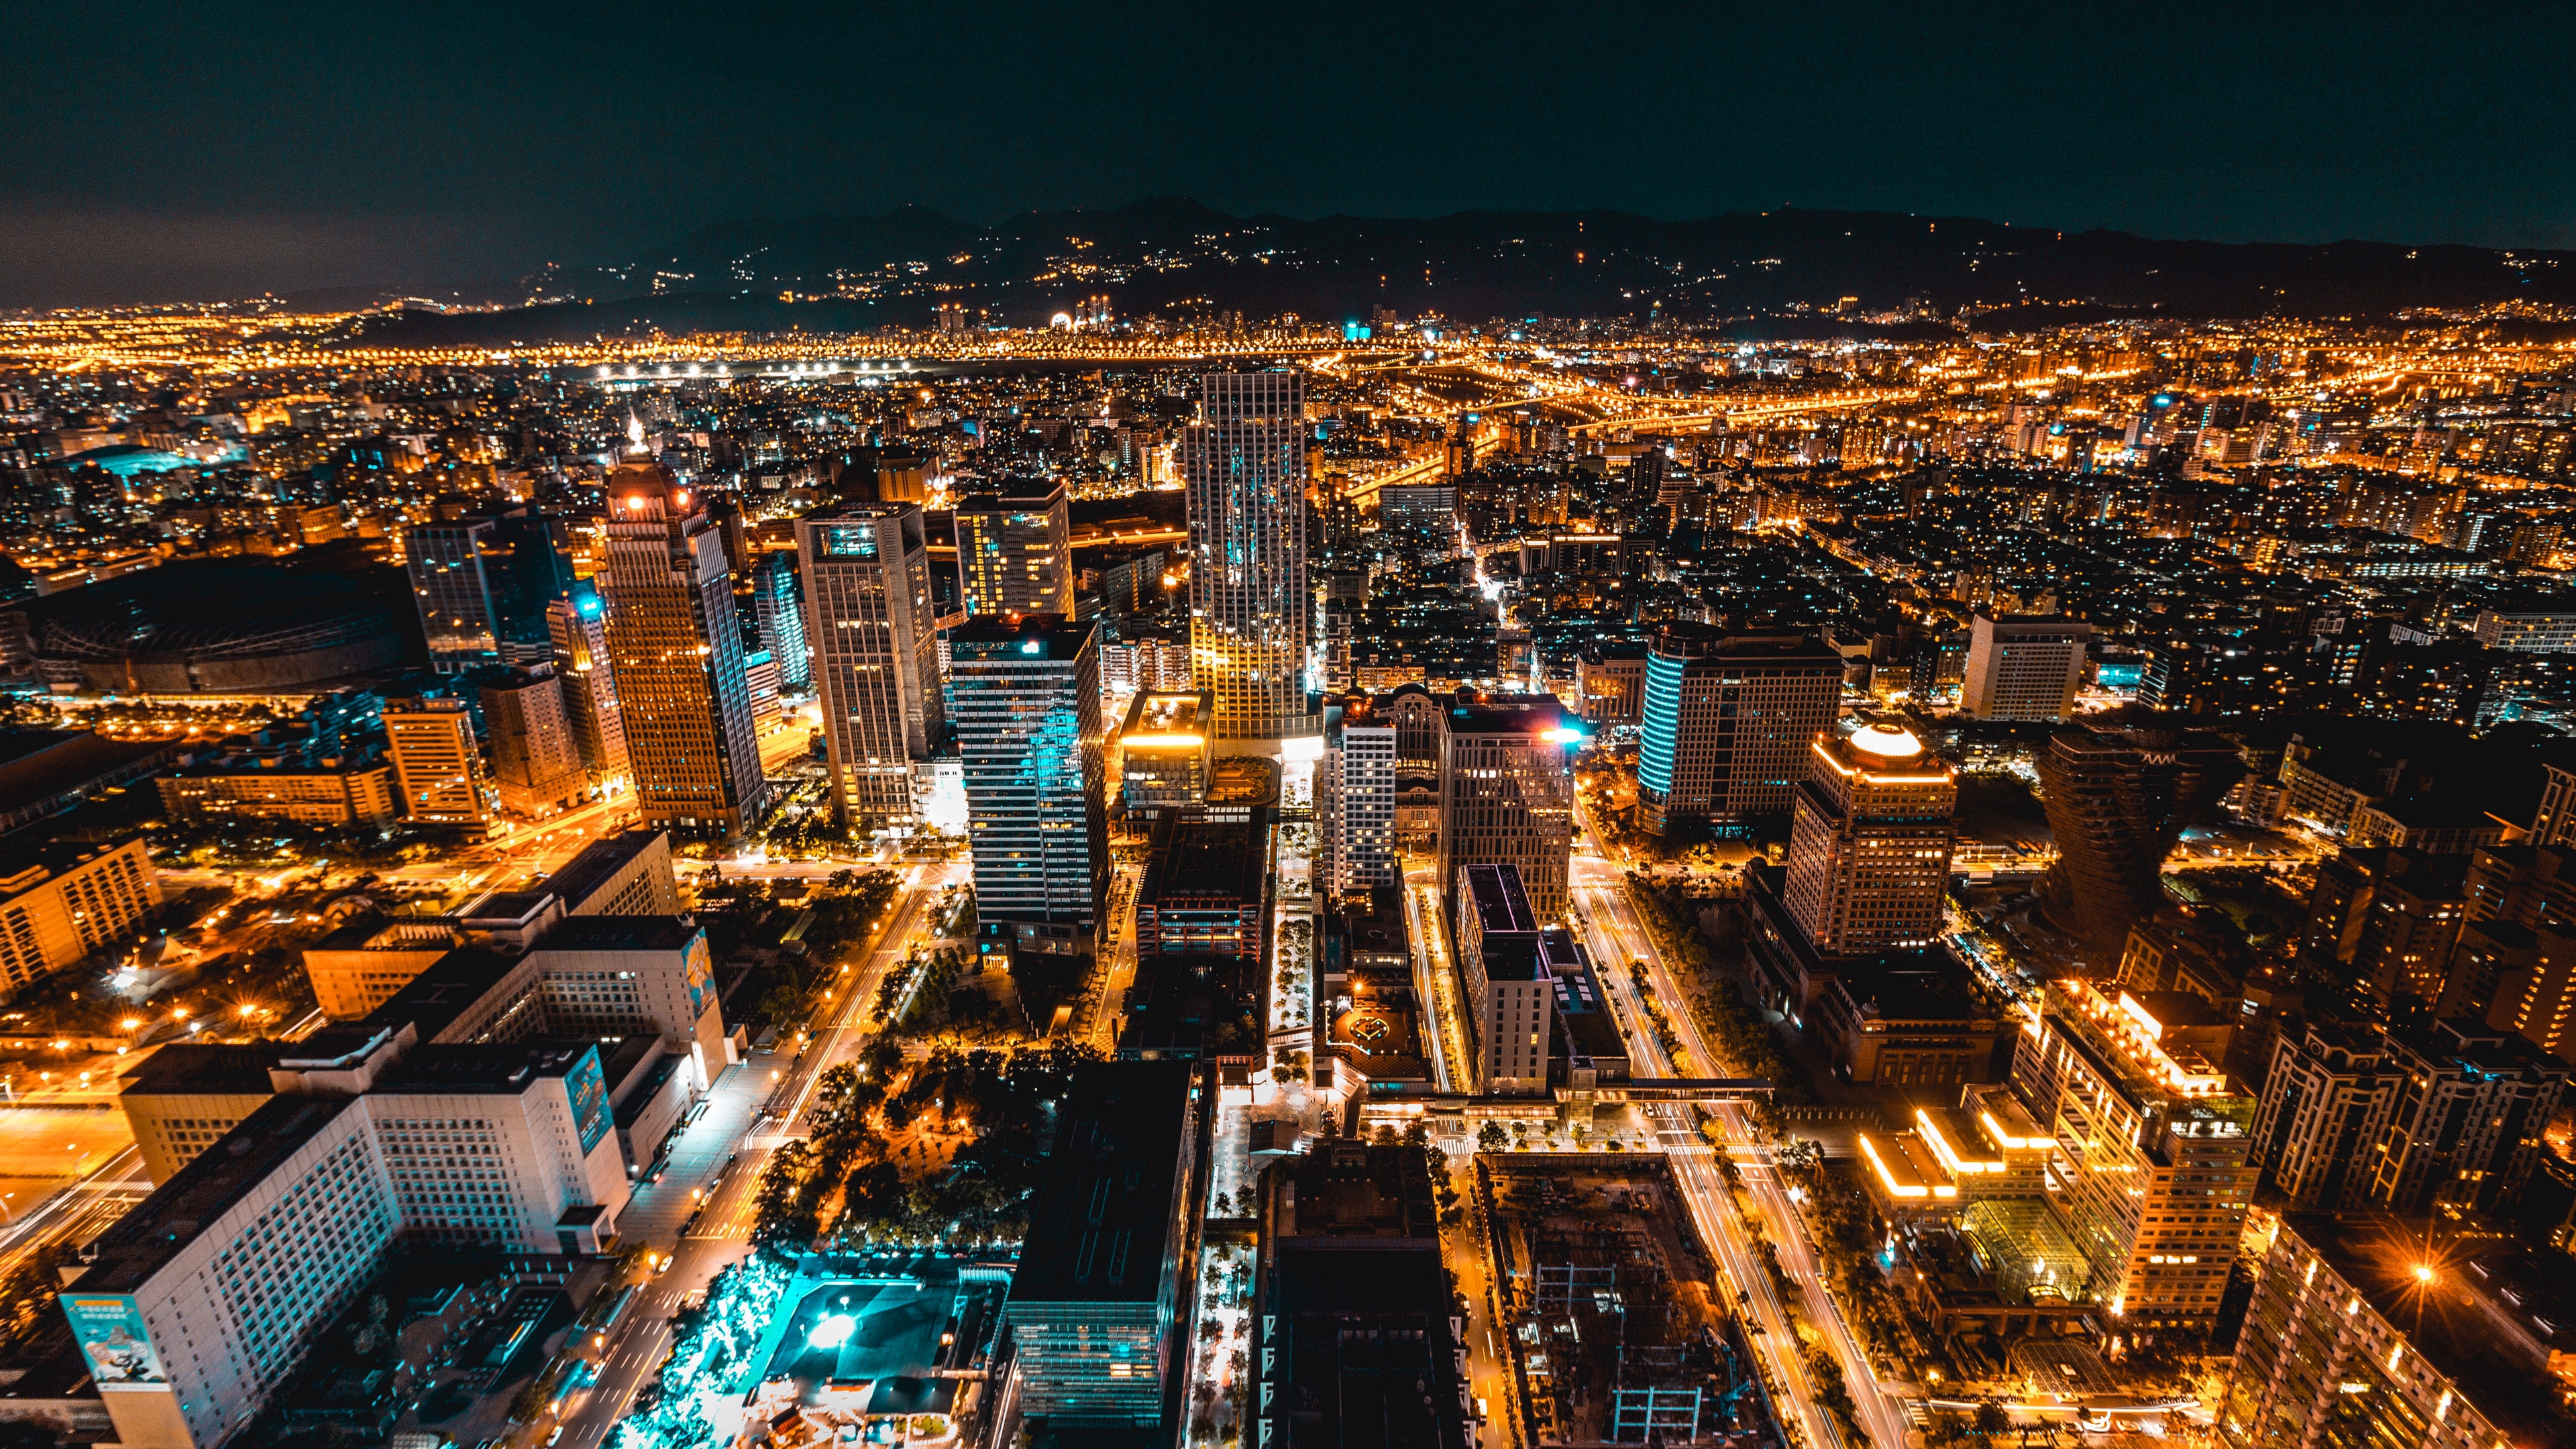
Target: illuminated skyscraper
[2023, 668]
[676, 648]
[1728, 718]
[780, 611]
[1507, 792]
[1025, 696]
[1355, 800]
[536, 759]
[876, 654]
[1244, 463]
[1869, 841]
[579, 626]
[1015, 552]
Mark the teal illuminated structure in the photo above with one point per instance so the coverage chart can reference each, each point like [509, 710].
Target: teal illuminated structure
[1024, 696]
[1727, 720]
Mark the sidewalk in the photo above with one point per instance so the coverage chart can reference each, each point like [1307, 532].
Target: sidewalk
[656, 1211]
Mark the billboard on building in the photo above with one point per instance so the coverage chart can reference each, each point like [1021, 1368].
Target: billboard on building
[701, 975]
[114, 1342]
[588, 1088]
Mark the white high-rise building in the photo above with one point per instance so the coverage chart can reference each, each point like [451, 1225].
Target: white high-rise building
[2023, 668]
[1355, 800]
[1244, 463]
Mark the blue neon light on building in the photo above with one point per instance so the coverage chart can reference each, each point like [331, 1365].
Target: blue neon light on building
[1662, 724]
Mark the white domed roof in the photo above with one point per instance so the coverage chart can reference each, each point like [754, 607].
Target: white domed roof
[1887, 741]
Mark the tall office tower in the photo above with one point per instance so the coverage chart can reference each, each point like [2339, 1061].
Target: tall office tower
[1025, 695]
[1728, 718]
[2325, 1103]
[1507, 792]
[579, 626]
[2118, 792]
[1510, 992]
[2336, 1348]
[675, 646]
[435, 762]
[1869, 842]
[2149, 1144]
[2023, 668]
[780, 613]
[1356, 849]
[1244, 462]
[482, 586]
[869, 618]
[2463, 1132]
[1015, 551]
[536, 760]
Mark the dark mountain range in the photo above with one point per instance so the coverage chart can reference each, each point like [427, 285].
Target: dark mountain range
[1774, 272]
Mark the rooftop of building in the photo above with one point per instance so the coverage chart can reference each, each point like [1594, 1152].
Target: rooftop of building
[1912, 986]
[189, 1069]
[1243, 782]
[447, 989]
[1496, 714]
[619, 933]
[24, 867]
[1166, 719]
[37, 765]
[1104, 1220]
[156, 1230]
[1027, 638]
[1717, 643]
[598, 863]
[504, 1068]
[1349, 1192]
[1496, 895]
[1012, 495]
[1205, 859]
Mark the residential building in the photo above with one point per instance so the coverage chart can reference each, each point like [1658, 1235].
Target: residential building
[870, 627]
[1015, 550]
[1728, 718]
[2469, 1104]
[62, 901]
[2325, 1103]
[1507, 791]
[1355, 799]
[675, 647]
[2544, 631]
[436, 763]
[2118, 792]
[2022, 667]
[1025, 698]
[1244, 464]
[1869, 841]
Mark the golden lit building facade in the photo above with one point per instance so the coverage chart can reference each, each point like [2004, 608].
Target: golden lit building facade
[1244, 464]
[1869, 841]
[61, 902]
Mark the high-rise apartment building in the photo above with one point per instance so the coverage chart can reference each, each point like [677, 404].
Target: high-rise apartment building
[675, 646]
[482, 586]
[2118, 792]
[870, 625]
[2468, 1104]
[62, 900]
[2149, 1144]
[1507, 791]
[2356, 1335]
[579, 626]
[1355, 800]
[536, 758]
[2325, 1101]
[435, 760]
[2022, 667]
[1015, 551]
[2554, 823]
[1025, 698]
[1869, 841]
[1244, 463]
[1727, 720]
[778, 608]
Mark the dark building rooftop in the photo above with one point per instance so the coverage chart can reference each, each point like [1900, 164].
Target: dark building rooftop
[1109, 1215]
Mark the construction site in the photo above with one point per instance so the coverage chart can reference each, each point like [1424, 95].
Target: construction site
[1618, 1331]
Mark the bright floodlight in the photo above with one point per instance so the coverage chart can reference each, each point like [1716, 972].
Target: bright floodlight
[1886, 740]
[833, 1331]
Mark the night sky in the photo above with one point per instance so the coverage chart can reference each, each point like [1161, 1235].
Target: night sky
[157, 151]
